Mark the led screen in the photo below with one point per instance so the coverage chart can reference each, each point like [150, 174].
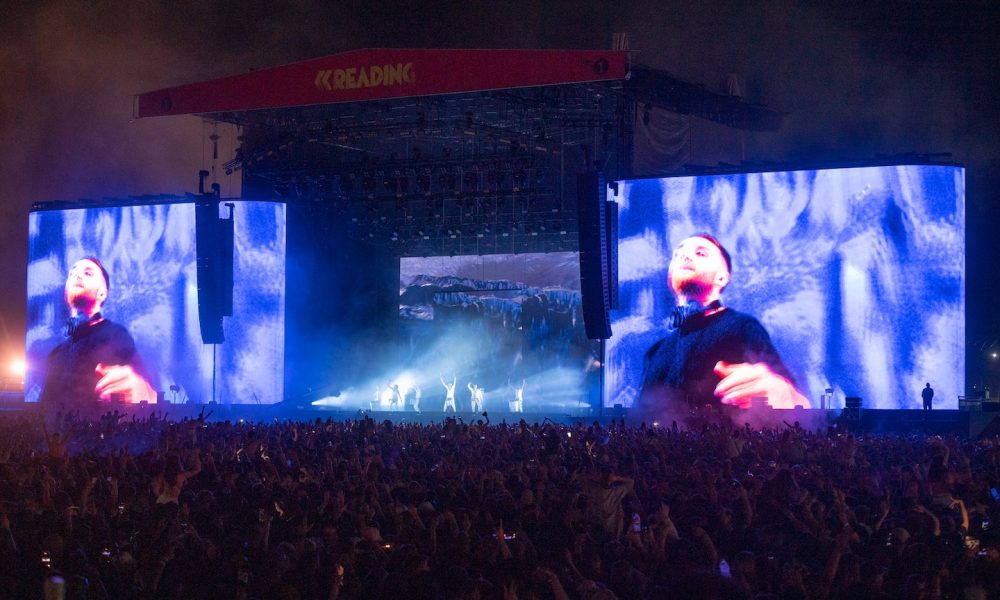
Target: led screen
[149, 253]
[500, 323]
[856, 274]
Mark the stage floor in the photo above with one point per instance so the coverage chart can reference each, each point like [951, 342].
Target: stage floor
[941, 422]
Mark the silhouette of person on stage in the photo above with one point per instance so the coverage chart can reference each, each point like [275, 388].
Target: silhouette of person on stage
[928, 395]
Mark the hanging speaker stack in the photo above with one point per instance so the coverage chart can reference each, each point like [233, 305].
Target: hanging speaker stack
[214, 255]
[598, 230]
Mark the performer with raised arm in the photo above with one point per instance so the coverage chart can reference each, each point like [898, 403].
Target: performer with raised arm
[396, 400]
[449, 398]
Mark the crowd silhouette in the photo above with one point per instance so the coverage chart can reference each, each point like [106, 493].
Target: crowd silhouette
[127, 507]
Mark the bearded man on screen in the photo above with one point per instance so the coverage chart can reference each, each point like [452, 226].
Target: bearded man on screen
[98, 360]
[712, 354]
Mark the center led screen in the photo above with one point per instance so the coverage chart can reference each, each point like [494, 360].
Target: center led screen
[508, 325]
[855, 275]
[149, 254]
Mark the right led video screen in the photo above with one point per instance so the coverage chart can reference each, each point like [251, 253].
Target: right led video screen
[845, 282]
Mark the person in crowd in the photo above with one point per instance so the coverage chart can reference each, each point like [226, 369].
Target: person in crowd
[129, 507]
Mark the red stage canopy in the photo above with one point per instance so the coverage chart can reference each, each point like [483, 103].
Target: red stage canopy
[377, 74]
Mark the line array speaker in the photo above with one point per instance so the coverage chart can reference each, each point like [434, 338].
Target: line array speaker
[214, 259]
[593, 232]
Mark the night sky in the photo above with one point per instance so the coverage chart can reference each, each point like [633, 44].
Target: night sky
[859, 80]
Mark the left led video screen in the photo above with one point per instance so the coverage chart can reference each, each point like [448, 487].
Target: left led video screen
[149, 255]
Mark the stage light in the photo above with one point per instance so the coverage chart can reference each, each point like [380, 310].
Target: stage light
[993, 355]
[402, 184]
[368, 183]
[424, 182]
[405, 382]
[493, 181]
[347, 183]
[518, 180]
[18, 367]
[470, 179]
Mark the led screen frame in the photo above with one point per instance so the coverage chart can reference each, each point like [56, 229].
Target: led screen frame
[150, 253]
[499, 321]
[858, 275]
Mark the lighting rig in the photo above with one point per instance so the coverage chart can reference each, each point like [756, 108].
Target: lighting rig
[482, 173]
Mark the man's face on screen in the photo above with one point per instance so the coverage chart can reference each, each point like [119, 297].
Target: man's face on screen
[697, 267]
[85, 285]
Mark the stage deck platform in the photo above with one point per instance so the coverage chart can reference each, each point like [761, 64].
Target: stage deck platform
[899, 422]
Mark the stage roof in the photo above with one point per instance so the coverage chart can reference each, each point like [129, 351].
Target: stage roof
[395, 73]
[379, 74]
[450, 150]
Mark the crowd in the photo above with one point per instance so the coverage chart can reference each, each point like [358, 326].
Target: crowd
[146, 508]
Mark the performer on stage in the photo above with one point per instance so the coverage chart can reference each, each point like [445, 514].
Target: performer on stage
[416, 397]
[449, 399]
[712, 353]
[476, 395]
[927, 395]
[98, 360]
[517, 404]
[396, 399]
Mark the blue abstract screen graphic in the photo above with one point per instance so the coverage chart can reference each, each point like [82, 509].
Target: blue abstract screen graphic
[500, 322]
[150, 254]
[857, 274]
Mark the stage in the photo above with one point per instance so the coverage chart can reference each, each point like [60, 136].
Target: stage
[962, 423]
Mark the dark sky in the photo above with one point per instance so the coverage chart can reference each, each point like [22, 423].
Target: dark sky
[859, 79]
